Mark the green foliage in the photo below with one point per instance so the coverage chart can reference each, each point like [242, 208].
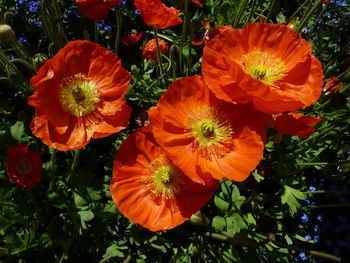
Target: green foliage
[70, 216]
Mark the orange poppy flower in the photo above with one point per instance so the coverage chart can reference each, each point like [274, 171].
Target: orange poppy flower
[23, 166]
[96, 9]
[333, 85]
[155, 13]
[211, 30]
[206, 137]
[130, 39]
[150, 49]
[270, 65]
[149, 189]
[79, 95]
[296, 124]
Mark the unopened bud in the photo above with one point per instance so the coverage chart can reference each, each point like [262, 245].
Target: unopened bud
[7, 35]
[39, 60]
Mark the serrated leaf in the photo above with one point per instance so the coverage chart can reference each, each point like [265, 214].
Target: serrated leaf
[219, 223]
[235, 223]
[290, 196]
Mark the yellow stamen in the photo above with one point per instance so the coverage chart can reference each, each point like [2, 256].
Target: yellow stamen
[211, 131]
[264, 67]
[78, 95]
[165, 179]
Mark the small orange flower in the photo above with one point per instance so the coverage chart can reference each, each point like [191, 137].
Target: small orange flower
[79, 95]
[150, 49]
[211, 30]
[206, 137]
[155, 13]
[333, 85]
[130, 39]
[270, 65]
[149, 189]
[96, 9]
[23, 166]
[296, 124]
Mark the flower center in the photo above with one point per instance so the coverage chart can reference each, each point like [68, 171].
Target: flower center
[165, 179]
[263, 67]
[23, 166]
[78, 95]
[207, 128]
[211, 131]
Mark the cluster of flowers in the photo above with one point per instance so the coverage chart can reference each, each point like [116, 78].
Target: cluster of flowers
[203, 129]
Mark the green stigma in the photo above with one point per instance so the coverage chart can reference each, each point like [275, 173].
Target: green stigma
[260, 72]
[163, 174]
[78, 94]
[207, 128]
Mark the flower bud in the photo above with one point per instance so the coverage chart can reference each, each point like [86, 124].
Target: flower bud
[7, 35]
[39, 60]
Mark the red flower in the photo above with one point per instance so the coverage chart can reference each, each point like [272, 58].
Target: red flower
[96, 9]
[23, 166]
[206, 137]
[198, 2]
[270, 65]
[130, 39]
[333, 85]
[149, 189]
[296, 124]
[155, 13]
[150, 49]
[79, 95]
[211, 30]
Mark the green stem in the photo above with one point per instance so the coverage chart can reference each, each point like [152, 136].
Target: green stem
[96, 32]
[298, 10]
[308, 15]
[329, 206]
[272, 10]
[252, 10]
[252, 243]
[53, 170]
[74, 165]
[119, 30]
[242, 6]
[8, 204]
[314, 164]
[159, 54]
[327, 192]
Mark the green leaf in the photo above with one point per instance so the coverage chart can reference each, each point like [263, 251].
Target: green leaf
[290, 196]
[221, 204]
[235, 193]
[17, 131]
[114, 251]
[86, 215]
[258, 177]
[219, 223]
[235, 223]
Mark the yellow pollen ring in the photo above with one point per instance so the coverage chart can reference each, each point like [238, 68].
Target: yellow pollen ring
[165, 179]
[264, 67]
[78, 95]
